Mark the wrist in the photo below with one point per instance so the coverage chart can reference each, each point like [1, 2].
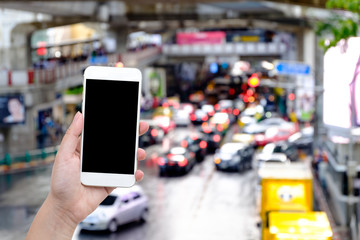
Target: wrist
[63, 219]
[51, 222]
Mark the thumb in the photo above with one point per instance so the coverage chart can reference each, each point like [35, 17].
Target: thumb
[71, 138]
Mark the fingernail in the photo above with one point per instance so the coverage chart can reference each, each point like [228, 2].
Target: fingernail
[77, 115]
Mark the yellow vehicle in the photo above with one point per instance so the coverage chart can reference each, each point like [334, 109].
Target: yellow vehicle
[285, 187]
[294, 225]
[287, 203]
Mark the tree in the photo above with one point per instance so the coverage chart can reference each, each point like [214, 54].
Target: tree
[342, 25]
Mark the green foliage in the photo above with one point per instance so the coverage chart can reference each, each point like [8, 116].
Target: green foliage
[74, 91]
[338, 27]
[349, 5]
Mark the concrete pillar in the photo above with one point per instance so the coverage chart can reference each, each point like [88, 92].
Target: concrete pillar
[309, 47]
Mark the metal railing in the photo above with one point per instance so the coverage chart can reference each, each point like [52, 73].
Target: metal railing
[30, 158]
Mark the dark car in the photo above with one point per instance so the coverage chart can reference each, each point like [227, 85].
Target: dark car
[303, 140]
[212, 136]
[177, 161]
[234, 157]
[197, 145]
[153, 136]
[198, 117]
[286, 148]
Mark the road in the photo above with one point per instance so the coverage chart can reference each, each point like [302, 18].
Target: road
[204, 204]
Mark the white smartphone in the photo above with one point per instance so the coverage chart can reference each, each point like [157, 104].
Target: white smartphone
[111, 109]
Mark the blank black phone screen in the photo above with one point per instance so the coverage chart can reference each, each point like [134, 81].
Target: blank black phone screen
[110, 126]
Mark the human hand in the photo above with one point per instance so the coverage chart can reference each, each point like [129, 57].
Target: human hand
[69, 200]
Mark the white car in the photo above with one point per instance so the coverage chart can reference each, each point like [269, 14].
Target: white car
[261, 127]
[248, 115]
[268, 155]
[123, 205]
[182, 117]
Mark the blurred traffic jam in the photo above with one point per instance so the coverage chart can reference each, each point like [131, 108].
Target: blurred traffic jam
[246, 119]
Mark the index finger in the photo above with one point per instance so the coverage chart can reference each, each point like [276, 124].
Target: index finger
[143, 127]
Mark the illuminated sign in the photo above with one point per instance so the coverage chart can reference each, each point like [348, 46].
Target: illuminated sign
[342, 85]
[292, 68]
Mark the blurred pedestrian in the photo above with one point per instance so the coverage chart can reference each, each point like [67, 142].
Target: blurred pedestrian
[69, 202]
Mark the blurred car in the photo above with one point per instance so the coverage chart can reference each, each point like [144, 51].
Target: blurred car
[165, 123]
[262, 126]
[195, 144]
[154, 135]
[123, 205]
[244, 138]
[208, 109]
[196, 97]
[239, 104]
[198, 117]
[303, 140]
[273, 134]
[225, 105]
[234, 157]
[220, 121]
[181, 117]
[212, 137]
[162, 111]
[250, 115]
[280, 147]
[188, 107]
[272, 154]
[177, 161]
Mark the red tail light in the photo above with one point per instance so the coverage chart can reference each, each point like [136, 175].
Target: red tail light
[231, 91]
[217, 107]
[161, 161]
[165, 105]
[212, 113]
[154, 132]
[192, 117]
[204, 118]
[183, 163]
[216, 138]
[219, 128]
[184, 144]
[223, 110]
[236, 111]
[203, 144]
[194, 137]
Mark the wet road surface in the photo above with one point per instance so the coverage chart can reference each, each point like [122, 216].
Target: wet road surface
[203, 204]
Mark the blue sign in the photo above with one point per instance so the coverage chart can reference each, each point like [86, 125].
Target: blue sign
[95, 60]
[289, 68]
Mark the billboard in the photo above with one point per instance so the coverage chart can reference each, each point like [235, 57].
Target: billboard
[193, 38]
[155, 81]
[12, 110]
[342, 85]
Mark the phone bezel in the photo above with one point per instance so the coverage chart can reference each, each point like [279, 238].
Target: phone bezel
[112, 74]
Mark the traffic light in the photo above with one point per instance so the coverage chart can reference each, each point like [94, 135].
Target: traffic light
[253, 80]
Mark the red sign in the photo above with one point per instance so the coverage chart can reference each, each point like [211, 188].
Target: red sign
[201, 38]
